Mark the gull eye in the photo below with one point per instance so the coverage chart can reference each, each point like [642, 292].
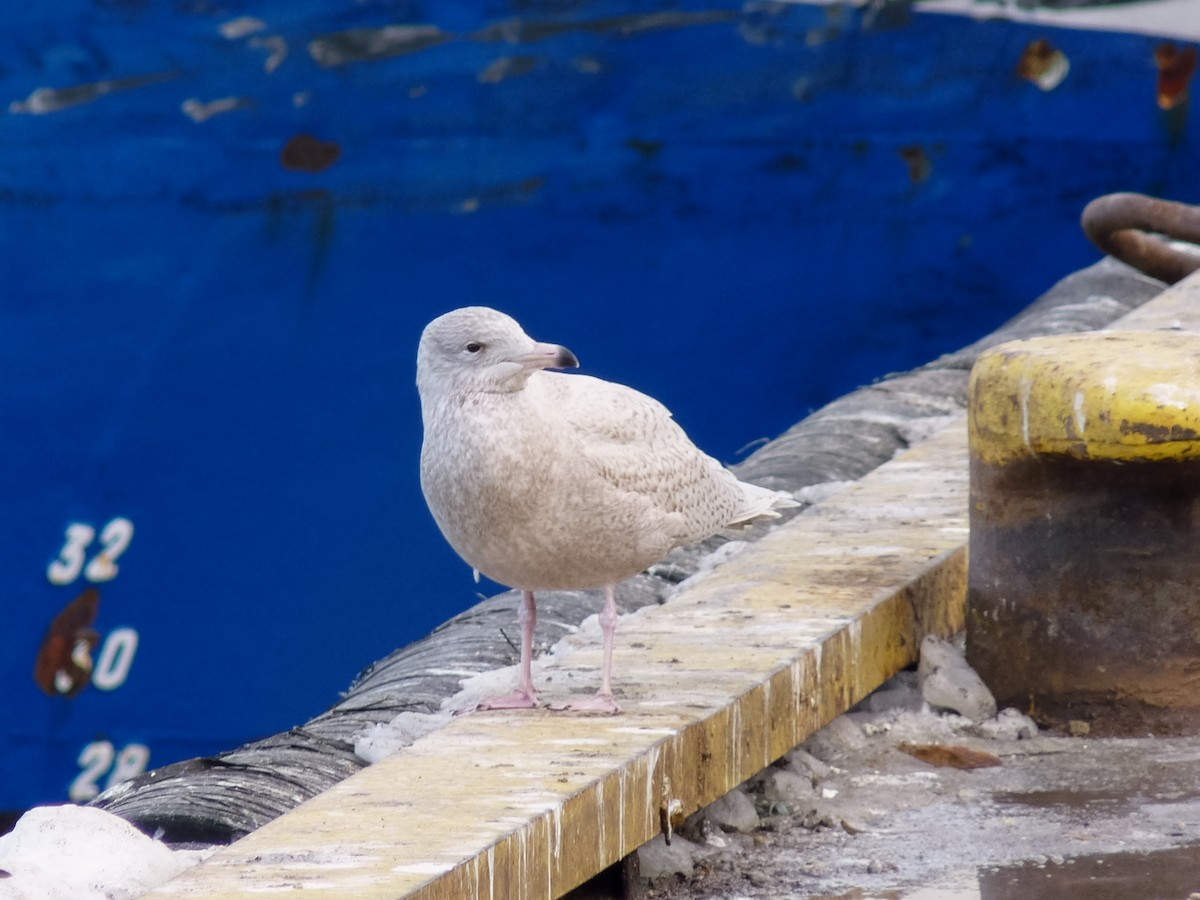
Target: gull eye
[474, 346]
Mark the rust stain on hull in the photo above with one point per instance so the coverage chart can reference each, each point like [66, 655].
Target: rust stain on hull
[64, 662]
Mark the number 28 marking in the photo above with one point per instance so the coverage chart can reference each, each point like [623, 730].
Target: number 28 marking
[100, 757]
[72, 558]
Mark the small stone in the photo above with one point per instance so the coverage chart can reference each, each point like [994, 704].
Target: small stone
[880, 866]
[771, 809]
[852, 827]
[841, 735]
[805, 764]
[657, 858]
[1078, 728]
[699, 829]
[695, 827]
[815, 820]
[782, 785]
[947, 682]
[1009, 725]
[733, 812]
[901, 692]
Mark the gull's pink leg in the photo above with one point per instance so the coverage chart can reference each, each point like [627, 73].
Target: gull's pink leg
[604, 701]
[525, 696]
[608, 624]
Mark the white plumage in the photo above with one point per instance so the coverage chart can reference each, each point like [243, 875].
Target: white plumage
[547, 481]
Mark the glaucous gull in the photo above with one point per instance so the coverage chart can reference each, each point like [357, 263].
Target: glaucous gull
[551, 481]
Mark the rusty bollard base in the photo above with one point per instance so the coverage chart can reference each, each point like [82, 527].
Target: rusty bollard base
[1084, 587]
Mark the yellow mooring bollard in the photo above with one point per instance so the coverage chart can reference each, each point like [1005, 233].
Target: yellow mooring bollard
[1084, 578]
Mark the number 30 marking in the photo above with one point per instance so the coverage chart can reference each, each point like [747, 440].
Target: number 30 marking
[114, 540]
[115, 659]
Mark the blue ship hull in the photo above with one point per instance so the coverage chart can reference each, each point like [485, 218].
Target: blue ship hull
[223, 235]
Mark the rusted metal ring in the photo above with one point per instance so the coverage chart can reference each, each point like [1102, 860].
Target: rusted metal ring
[1133, 228]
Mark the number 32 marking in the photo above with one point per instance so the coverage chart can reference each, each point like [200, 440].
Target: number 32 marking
[114, 540]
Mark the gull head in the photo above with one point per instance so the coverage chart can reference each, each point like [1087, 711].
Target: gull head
[479, 349]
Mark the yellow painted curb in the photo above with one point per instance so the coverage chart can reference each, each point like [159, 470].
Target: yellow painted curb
[739, 667]
[1114, 395]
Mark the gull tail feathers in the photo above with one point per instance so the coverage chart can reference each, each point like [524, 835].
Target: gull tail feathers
[761, 503]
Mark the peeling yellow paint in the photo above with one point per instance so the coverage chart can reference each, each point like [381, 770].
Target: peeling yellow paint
[1117, 395]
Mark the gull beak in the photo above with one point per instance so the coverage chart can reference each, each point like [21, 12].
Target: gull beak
[548, 356]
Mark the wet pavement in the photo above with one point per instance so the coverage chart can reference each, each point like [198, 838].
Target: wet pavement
[1111, 876]
[1061, 817]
